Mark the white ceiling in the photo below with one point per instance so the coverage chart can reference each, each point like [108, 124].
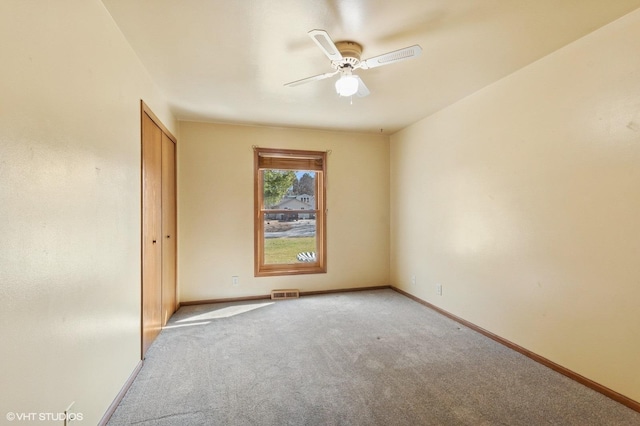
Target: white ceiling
[228, 60]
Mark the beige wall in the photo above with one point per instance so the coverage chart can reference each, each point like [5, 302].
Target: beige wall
[523, 201]
[215, 187]
[70, 88]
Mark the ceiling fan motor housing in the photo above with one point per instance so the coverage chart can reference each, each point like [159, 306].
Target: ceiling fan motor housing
[350, 51]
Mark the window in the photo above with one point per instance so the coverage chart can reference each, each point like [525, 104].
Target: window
[290, 221]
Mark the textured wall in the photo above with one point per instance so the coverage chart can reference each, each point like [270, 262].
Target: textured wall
[523, 201]
[215, 209]
[70, 90]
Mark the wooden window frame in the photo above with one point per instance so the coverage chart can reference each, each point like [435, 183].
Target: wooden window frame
[289, 159]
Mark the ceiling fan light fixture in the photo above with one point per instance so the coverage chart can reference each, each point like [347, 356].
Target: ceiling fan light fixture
[347, 85]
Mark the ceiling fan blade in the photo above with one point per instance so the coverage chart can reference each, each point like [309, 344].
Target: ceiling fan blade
[363, 90]
[324, 42]
[310, 79]
[392, 57]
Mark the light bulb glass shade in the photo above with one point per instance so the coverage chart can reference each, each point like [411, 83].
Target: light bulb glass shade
[347, 85]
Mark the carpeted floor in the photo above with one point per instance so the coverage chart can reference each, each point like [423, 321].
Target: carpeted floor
[361, 358]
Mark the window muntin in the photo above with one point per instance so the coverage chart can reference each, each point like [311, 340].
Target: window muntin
[290, 220]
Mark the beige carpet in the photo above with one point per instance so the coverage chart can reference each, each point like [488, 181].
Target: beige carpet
[361, 358]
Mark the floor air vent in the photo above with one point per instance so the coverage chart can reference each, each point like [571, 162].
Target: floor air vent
[285, 294]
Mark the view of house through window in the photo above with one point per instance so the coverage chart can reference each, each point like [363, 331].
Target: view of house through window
[289, 200]
[290, 227]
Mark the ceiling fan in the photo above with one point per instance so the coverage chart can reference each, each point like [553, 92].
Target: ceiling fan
[345, 58]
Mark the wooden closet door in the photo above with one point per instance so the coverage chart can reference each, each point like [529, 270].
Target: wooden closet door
[169, 241]
[151, 231]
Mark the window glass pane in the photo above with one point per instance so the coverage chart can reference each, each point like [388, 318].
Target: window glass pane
[289, 189]
[289, 238]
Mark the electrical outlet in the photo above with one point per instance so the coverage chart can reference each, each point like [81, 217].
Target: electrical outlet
[413, 279]
[235, 281]
[439, 289]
